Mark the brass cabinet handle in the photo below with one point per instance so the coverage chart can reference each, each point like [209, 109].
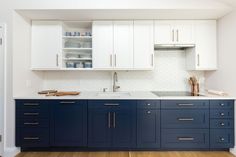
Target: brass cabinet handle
[31, 138]
[115, 59]
[67, 102]
[36, 123]
[57, 63]
[185, 104]
[31, 114]
[111, 104]
[198, 60]
[109, 120]
[177, 31]
[185, 138]
[185, 119]
[111, 60]
[31, 104]
[114, 120]
[173, 35]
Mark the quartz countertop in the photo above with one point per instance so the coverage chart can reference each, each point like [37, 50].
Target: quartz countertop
[133, 95]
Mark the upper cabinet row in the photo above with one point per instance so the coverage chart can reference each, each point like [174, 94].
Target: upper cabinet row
[120, 45]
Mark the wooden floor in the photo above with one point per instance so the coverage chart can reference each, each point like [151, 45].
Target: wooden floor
[128, 154]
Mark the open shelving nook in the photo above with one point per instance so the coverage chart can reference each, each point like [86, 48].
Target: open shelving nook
[77, 45]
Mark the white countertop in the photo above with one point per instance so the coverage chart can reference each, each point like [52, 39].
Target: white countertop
[133, 96]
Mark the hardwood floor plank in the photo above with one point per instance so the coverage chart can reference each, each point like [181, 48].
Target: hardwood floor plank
[129, 154]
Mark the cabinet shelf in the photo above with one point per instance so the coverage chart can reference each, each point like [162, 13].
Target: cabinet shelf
[86, 49]
[75, 59]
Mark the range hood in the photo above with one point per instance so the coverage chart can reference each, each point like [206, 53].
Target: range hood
[173, 46]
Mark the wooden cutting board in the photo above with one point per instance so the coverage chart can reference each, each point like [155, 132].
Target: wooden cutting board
[61, 93]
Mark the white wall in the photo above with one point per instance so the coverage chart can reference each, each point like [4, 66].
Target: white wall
[224, 78]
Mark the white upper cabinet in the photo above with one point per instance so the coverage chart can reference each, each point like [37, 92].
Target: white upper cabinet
[46, 45]
[103, 44]
[123, 44]
[174, 32]
[143, 44]
[164, 32]
[113, 45]
[184, 32]
[204, 55]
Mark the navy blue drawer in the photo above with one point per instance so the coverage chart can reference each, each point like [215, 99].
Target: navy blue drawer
[222, 123]
[221, 138]
[185, 138]
[111, 103]
[223, 104]
[221, 113]
[148, 104]
[32, 104]
[32, 123]
[32, 113]
[34, 138]
[185, 118]
[185, 104]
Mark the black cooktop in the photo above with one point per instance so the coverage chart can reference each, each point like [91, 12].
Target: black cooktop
[174, 93]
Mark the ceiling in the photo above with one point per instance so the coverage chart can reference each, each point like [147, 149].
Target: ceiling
[132, 9]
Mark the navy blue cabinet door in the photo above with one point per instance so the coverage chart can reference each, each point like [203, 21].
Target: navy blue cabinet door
[124, 126]
[70, 123]
[99, 127]
[148, 128]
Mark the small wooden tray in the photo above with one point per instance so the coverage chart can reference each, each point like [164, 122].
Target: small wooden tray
[61, 93]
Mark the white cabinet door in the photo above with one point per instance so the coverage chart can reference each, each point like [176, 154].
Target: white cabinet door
[143, 44]
[102, 44]
[204, 55]
[123, 44]
[184, 33]
[46, 45]
[164, 32]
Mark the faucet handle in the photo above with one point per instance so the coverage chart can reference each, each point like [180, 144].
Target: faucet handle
[104, 89]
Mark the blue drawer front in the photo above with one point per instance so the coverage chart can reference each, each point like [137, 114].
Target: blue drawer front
[32, 104]
[111, 103]
[222, 138]
[148, 104]
[222, 104]
[33, 123]
[185, 138]
[184, 104]
[221, 113]
[185, 118]
[221, 123]
[34, 138]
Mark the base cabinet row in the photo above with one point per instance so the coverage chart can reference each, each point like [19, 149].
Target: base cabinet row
[125, 124]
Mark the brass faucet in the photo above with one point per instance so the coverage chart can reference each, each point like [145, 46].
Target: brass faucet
[115, 79]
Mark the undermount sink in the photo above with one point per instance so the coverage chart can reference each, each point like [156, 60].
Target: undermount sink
[113, 94]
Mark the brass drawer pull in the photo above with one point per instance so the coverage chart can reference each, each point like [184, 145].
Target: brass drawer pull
[111, 104]
[109, 119]
[31, 138]
[185, 138]
[67, 102]
[186, 104]
[185, 119]
[31, 104]
[36, 123]
[31, 114]
[114, 120]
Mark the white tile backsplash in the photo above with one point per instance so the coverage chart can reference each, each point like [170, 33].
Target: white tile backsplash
[170, 74]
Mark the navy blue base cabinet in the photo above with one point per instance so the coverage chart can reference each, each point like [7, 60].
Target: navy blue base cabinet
[80, 125]
[112, 124]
